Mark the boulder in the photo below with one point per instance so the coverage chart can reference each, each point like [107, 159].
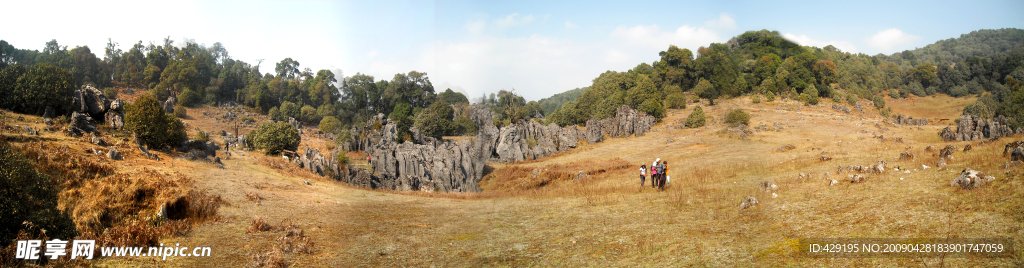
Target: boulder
[906, 156]
[89, 100]
[929, 148]
[1017, 154]
[767, 186]
[117, 105]
[1011, 146]
[948, 134]
[970, 179]
[594, 131]
[948, 151]
[97, 140]
[80, 124]
[114, 154]
[786, 148]
[857, 178]
[114, 119]
[748, 202]
[169, 104]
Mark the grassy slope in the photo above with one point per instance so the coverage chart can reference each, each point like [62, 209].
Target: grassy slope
[607, 219]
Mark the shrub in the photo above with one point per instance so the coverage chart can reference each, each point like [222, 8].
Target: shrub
[851, 99]
[737, 117]
[202, 136]
[153, 127]
[676, 101]
[28, 196]
[696, 118]
[43, 85]
[812, 95]
[436, 120]
[326, 110]
[309, 115]
[110, 92]
[770, 96]
[330, 125]
[465, 126]
[289, 109]
[180, 111]
[189, 98]
[274, 137]
[756, 99]
[275, 114]
[653, 107]
[879, 102]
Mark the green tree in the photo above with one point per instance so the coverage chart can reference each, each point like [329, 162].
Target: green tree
[330, 125]
[402, 116]
[696, 118]
[309, 115]
[275, 137]
[436, 120]
[43, 85]
[8, 85]
[654, 108]
[452, 97]
[153, 127]
[465, 126]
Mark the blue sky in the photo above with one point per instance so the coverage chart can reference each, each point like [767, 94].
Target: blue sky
[538, 48]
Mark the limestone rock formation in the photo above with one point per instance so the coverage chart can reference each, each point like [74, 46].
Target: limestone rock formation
[114, 154]
[910, 121]
[169, 104]
[971, 128]
[89, 100]
[80, 124]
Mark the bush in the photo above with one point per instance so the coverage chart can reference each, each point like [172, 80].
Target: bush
[180, 111]
[189, 98]
[110, 92]
[28, 196]
[696, 118]
[737, 117]
[812, 95]
[676, 101]
[153, 127]
[653, 107]
[43, 85]
[202, 136]
[851, 99]
[275, 114]
[436, 120]
[465, 126]
[275, 137]
[309, 115]
[330, 124]
[879, 102]
[769, 97]
[756, 99]
[289, 109]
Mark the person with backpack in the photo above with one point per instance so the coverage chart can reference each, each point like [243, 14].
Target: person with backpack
[643, 173]
[665, 163]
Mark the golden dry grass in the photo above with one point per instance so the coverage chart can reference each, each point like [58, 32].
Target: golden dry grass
[608, 220]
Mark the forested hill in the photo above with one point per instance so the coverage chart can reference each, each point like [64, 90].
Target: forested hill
[549, 104]
[984, 62]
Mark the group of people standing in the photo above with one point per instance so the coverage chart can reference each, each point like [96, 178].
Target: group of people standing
[659, 174]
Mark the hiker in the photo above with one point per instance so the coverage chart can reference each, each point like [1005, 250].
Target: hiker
[665, 163]
[654, 173]
[661, 175]
[643, 171]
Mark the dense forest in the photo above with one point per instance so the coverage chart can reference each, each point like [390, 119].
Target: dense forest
[987, 63]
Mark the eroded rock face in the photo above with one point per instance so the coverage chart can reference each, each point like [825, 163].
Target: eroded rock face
[428, 164]
[114, 119]
[80, 124]
[909, 120]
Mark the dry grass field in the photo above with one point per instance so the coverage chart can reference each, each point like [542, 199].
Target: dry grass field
[269, 216]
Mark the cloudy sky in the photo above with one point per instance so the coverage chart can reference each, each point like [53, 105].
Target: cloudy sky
[538, 48]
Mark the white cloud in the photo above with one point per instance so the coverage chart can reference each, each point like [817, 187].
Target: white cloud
[569, 25]
[513, 19]
[723, 21]
[475, 26]
[888, 40]
[652, 37]
[803, 40]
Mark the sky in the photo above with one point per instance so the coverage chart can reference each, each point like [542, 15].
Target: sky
[537, 48]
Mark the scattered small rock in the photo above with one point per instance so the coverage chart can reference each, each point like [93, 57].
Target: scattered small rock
[857, 178]
[748, 202]
[114, 154]
[970, 179]
[786, 148]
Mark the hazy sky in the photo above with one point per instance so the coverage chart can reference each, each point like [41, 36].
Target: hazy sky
[538, 48]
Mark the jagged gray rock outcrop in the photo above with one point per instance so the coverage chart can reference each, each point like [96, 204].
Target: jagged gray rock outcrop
[80, 124]
[429, 164]
[90, 100]
[909, 120]
[971, 128]
[169, 104]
